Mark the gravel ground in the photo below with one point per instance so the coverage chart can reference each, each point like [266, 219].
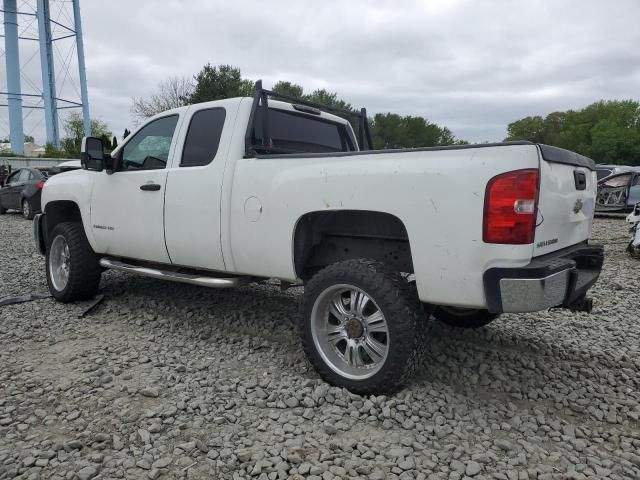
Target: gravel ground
[172, 381]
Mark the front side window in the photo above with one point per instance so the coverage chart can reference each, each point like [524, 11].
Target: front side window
[149, 148]
[203, 137]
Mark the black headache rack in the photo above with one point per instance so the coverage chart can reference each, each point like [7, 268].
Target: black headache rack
[260, 106]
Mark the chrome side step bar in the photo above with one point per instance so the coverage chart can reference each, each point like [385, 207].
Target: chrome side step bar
[203, 281]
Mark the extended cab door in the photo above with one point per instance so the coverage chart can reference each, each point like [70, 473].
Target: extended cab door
[194, 188]
[127, 206]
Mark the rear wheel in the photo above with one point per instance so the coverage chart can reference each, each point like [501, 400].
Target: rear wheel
[360, 326]
[464, 317]
[73, 272]
[27, 209]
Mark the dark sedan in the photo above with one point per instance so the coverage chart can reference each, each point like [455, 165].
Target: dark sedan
[22, 191]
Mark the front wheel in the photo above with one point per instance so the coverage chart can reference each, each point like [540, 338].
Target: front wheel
[73, 271]
[360, 326]
[464, 317]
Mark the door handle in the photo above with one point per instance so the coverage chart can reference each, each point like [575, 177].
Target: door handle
[153, 187]
[580, 180]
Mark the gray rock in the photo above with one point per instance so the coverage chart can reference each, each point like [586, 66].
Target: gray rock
[244, 455]
[144, 436]
[151, 392]
[87, 472]
[505, 445]
[473, 468]
[292, 402]
[163, 462]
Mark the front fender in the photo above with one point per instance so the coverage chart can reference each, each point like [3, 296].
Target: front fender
[76, 187]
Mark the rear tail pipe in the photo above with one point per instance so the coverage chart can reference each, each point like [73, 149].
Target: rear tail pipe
[582, 304]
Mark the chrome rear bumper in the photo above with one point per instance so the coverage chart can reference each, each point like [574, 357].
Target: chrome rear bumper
[560, 279]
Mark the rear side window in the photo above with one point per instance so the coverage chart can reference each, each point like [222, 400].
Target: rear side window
[298, 133]
[203, 137]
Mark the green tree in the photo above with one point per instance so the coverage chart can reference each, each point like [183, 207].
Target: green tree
[126, 133]
[74, 131]
[114, 143]
[247, 88]
[52, 152]
[390, 130]
[324, 97]
[288, 88]
[607, 131]
[528, 128]
[216, 83]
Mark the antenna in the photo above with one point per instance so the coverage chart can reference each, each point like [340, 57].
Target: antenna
[54, 34]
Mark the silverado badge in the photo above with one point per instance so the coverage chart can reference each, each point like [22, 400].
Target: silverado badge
[577, 206]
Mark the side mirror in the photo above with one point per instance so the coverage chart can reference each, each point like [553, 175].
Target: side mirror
[92, 154]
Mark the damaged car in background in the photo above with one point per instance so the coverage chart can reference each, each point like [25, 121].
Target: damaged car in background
[604, 171]
[618, 192]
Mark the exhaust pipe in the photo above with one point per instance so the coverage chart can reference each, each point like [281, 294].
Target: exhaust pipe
[582, 304]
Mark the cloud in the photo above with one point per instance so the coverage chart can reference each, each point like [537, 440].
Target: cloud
[472, 66]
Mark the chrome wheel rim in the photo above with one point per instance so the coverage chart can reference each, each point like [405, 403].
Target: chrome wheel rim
[25, 208]
[350, 332]
[59, 263]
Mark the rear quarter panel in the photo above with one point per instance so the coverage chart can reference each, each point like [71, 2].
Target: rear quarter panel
[438, 195]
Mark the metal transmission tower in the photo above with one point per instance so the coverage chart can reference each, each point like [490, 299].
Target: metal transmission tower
[61, 27]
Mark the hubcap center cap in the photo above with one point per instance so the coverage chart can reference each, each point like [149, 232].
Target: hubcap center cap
[354, 328]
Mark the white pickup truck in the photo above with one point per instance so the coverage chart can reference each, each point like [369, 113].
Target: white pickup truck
[222, 193]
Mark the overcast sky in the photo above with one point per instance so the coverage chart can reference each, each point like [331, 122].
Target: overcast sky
[473, 66]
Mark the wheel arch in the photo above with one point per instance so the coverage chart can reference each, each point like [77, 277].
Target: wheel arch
[321, 238]
[58, 211]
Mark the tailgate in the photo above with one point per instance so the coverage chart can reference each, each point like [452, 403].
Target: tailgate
[566, 203]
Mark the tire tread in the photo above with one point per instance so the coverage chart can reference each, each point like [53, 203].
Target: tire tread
[399, 301]
[85, 272]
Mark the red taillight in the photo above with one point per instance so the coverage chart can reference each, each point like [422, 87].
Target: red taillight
[40, 185]
[510, 208]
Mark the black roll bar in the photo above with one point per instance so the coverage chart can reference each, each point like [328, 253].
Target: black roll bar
[260, 106]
